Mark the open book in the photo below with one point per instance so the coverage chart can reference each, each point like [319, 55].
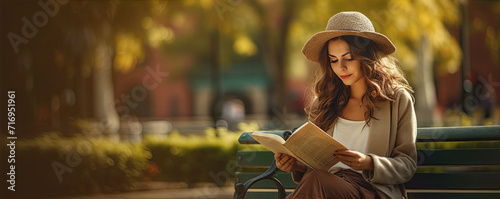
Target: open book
[308, 144]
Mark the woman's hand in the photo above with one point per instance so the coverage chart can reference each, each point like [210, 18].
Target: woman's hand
[288, 163]
[355, 159]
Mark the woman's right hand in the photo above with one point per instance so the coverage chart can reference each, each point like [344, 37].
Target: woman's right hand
[288, 163]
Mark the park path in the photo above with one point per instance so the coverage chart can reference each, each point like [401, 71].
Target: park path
[183, 193]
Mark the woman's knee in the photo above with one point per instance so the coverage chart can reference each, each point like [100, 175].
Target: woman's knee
[324, 184]
[318, 173]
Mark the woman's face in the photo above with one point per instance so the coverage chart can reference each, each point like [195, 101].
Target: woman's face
[342, 62]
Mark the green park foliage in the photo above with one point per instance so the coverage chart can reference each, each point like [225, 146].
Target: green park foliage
[52, 165]
[192, 159]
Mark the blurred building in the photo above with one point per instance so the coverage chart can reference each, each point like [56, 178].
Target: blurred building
[474, 90]
[193, 96]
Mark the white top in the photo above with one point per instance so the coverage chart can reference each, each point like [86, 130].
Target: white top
[353, 135]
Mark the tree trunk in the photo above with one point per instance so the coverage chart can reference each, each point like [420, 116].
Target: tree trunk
[274, 34]
[425, 86]
[103, 94]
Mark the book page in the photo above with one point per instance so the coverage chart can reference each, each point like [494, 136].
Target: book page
[271, 141]
[314, 146]
[275, 144]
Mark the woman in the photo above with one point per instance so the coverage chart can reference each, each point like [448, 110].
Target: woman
[363, 100]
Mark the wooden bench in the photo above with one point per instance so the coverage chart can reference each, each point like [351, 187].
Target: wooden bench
[465, 171]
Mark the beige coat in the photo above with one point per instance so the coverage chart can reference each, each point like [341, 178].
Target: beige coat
[391, 144]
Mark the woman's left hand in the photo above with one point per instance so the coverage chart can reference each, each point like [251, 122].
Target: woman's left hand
[355, 159]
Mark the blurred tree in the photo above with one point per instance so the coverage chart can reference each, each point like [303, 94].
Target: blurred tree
[93, 33]
[421, 27]
[493, 36]
[276, 17]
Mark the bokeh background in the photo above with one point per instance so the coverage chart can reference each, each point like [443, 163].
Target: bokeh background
[114, 93]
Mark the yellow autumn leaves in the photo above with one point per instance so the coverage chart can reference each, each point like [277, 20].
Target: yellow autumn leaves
[129, 47]
[243, 45]
[128, 52]
[405, 22]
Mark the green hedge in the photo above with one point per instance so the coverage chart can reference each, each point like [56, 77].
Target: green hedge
[209, 158]
[83, 165]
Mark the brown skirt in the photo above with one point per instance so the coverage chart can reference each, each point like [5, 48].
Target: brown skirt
[345, 183]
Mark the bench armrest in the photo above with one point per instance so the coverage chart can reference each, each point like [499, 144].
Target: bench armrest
[241, 189]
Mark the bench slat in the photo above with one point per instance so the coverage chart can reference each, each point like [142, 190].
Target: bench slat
[428, 157]
[254, 158]
[462, 133]
[455, 181]
[458, 157]
[274, 194]
[283, 177]
[434, 134]
[435, 181]
[245, 137]
[453, 195]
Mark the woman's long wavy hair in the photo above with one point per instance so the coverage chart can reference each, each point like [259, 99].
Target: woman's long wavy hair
[329, 95]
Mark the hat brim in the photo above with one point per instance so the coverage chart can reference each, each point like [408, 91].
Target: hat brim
[312, 48]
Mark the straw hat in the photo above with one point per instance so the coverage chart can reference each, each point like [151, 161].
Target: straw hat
[346, 23]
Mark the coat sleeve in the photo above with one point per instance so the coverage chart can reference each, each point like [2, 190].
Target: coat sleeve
[402, 163]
